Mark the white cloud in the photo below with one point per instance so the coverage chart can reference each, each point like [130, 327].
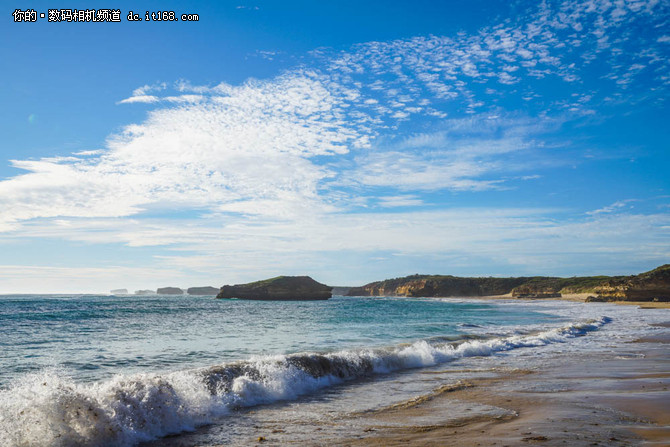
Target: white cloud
[245, 151]
[468, 155]
[145, 89]
[235, 249]
[426, 171]
[146, 99]
[616, 206]
[400, 201]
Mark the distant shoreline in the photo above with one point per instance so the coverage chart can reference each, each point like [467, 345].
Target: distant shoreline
[575, 297]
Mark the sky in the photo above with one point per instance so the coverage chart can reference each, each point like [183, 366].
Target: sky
[348, 141]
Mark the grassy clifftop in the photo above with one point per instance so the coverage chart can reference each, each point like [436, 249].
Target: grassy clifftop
[438, 285]
[576, 284]
[647, 286]
[654, 284]
[278, 288]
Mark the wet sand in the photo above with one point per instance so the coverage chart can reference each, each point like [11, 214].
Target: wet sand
[619, 398]
[616, 398]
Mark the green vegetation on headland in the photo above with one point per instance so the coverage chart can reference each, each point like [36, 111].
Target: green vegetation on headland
[279, 288]
[438, 285]
[653, 285]
[649, 286]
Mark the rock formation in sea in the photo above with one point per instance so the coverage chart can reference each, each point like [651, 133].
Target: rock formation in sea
[285, 288]
[119, 292]
[652, 285]
[205, 290]
[170, 291]
[145, 292]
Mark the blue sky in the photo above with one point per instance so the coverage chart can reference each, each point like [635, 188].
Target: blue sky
[349, 142]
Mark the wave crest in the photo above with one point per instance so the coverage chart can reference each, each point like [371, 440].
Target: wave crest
[48, 409]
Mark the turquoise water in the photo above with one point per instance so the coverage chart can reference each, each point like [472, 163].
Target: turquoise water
[122, 370]
[95, 337]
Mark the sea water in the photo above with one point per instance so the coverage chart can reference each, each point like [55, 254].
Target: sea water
[122, 370]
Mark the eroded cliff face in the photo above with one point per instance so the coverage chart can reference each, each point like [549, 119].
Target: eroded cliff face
[648, 286]
[438, 286]
[543, 286]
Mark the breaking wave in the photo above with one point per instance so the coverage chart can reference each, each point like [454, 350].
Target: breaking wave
[48, 409]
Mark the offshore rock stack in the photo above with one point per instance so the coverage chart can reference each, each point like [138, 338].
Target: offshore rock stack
[285, 288]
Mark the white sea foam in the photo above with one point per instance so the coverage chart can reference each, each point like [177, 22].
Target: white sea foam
[48, 409]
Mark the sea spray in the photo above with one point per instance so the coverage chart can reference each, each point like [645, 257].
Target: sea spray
[48, 409]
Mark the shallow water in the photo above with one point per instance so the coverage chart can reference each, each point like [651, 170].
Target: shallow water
[97, 370]
[95, 337]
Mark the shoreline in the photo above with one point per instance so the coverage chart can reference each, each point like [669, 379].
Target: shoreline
[618, 398]
[617, 395]
[574, 297]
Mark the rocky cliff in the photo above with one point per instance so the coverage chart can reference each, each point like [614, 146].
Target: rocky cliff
[653, 285]
[546, 286]
[170, 291]
[286, 288]
[119, 292]
[145, 292]
[438, 285]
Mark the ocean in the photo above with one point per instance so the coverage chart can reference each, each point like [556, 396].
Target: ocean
[131, 370]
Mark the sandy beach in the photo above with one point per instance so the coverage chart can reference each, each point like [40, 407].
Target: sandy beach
[620, 398]
[614, 401]
[581, 298]
[617, 397]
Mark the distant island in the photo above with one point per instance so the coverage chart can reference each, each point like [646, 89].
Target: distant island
[205, 290]
[145, 292]
[653, 285]
[170, 291]
[285, 288]
[119, 292]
